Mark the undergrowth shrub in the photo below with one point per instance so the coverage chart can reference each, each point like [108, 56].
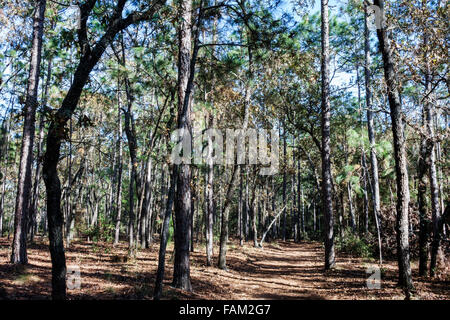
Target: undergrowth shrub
[103, 231]
[352, 244]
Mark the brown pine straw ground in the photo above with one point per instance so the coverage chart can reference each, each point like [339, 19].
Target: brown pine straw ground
[283, 270]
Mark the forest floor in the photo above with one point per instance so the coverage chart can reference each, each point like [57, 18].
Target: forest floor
[282, 270]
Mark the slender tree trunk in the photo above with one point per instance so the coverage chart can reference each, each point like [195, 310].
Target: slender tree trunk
[118, 204]
[423, 216]
[37, 177]
[284, 181]
[183, 209]
[366, 198]
[246, 206]
[146, 205]
[2, 203]
[403, 196]
[24, 185]
[326, 162]
[253, 214]
[193, 200]
[350, 205]
[303, 211]
[210, 199]
[432, 174]
[370, 127]
[299, 198]
[134, 181]
[3, 161]
[314, 214]
[164, 237]
[68, 194]
[295, 205]
[241, 207]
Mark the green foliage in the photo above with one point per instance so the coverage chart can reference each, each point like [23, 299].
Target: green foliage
[171, 230]
[102, 232]
[352, 244]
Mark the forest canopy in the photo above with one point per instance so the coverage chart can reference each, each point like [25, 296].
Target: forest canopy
[226, 128]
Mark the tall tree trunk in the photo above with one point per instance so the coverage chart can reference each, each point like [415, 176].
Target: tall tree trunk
[253, 213]
[326, 162]
[4, 130]
[423, 216]
[299, 198]
[241, 207]
[183, 210]
[284, 181]
[209, 198]
[68, 190]
[365, 195]
[37, 177]
[432, 174]
[146, 205]
[350, 206]
[134, 180]
[295, 206]
[314, 214]
[403, 196]
[164, 237]
[193, 200]
[118, 204]
[370, 128]
[24, 185]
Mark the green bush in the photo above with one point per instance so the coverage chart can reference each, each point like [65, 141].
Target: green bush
[355, 246]
[171, 231]
[103, 231]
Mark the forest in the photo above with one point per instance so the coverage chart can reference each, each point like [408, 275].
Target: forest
[224, 149]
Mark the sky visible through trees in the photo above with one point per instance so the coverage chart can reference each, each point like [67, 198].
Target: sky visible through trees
[152, 149]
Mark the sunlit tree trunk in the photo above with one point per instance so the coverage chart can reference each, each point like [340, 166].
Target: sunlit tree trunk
[375, 188]
[210, 199]
[403, 196]
[284, 181]
[118, 199]
[327, 201]
[24, 184]
[183, 210]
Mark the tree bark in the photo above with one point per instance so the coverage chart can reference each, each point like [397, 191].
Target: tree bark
[183, 209]
[24, 185]
[432, 174]
[3, 161]
[37, 177]
[210, 199]
[134, 180]
[284, 181]
[370, 128]
[326, 162]
[164, 237]
[146, 212]
[423, 216]
[403, 196]
[118, 203]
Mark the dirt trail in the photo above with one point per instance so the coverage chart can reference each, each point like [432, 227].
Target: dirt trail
[283, 270]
